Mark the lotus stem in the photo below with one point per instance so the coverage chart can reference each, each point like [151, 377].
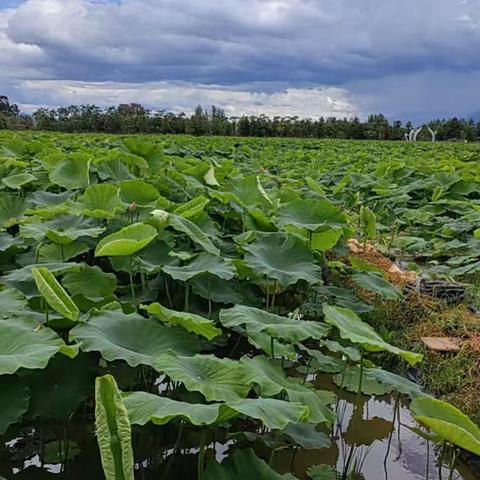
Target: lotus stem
[132, 285]
[453, 460]
[201, 454]
[397, 399]
[307, 370]
[272, 348]
[175, 448]
[187, 294]
[167, 292]
[427, 467]
[360, 380]
[440, 460]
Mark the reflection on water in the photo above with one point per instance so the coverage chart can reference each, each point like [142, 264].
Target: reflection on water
[371, 436]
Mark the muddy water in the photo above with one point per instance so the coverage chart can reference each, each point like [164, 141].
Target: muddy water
[371, 433]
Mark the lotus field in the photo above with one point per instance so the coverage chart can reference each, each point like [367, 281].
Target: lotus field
[215, 308]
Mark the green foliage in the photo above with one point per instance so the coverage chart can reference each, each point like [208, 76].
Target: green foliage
[113, 430]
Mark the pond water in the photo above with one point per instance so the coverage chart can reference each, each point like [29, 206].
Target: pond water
[371, 434]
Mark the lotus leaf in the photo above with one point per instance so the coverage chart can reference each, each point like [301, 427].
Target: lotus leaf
[26, 344]
[283, 258]
[242, 461]
[215, 378]
[288, 329]
[126, 241]
[132, 338]
[114, 433]
[311, 214]
[54, 294]
[91, 282]
[448, 422]
[202, 263]
[189, 321]
[352, 328]
[14, 401]
[139, 192]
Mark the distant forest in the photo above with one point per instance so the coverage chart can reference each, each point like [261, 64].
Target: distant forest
[134, 118]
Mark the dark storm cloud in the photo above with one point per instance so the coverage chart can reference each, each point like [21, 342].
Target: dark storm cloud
[351, 44]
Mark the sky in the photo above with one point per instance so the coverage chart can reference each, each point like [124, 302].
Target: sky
[409, 59]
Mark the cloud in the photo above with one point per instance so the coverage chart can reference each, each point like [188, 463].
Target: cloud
[275, 46]
[183, 97]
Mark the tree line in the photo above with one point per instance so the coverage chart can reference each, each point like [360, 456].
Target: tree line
[134, 118]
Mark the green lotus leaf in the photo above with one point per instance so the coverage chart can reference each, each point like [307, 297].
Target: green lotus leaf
[139, 192]
[325, 363]
[202, 263]
[350, 380]
[210, 179]
[272, 380]
[12, 302]
[99, 201]
[19, 180]
[246, 192]
[323, 241]
[12, 208]
[263, 341]
[189, 321]
[322, 472]
[215, 378]
[126, 241]
[194, 232]
[192, 208]
[132, 338]
[54, 253]
[448, 422]
[60, 388]
[114, 433]
[275, 414]
[151, 153]
[376, 284]
[282, 257]
[217, 289]
[369, 222]
[72, 173]
[242, 461]
[350, 352]
[63, 229]
[288, 329]
[352, 328]
[397, 382]
[145, 407]
[14, 401]
[25, 274]
[24, 343]
[311, 214]
[91, 282]
[305, 435]
[54, 294]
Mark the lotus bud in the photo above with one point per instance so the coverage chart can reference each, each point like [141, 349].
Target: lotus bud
[132, 207]
[159, 218]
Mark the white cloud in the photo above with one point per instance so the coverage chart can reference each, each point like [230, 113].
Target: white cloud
[183, 97]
